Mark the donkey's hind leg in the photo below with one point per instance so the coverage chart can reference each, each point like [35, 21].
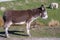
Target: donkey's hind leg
[6, 27]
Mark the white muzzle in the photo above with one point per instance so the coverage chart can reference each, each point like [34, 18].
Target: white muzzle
[46, 16]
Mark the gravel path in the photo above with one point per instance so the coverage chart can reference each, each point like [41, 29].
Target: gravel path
[29, 38]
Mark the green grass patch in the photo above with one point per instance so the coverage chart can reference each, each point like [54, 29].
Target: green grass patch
[22, 5]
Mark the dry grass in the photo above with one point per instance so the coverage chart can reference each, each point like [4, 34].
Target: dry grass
[40, 23]
[2, 9]
[26, 1]
[43, 0]
[53, 23]
[1, 22]
[37, 25]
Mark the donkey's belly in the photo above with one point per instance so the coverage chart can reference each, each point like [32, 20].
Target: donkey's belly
[20, 22]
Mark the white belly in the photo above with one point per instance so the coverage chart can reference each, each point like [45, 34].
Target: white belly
[20, 23]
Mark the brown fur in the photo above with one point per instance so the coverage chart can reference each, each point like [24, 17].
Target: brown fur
[21, 15]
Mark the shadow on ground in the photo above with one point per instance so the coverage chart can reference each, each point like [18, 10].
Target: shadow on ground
[2, 34]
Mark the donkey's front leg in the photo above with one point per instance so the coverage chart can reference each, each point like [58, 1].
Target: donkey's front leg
[28, 29]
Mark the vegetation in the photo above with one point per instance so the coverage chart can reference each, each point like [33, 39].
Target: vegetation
[31, 4]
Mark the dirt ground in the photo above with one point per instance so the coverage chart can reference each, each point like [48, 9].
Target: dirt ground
[29, 38]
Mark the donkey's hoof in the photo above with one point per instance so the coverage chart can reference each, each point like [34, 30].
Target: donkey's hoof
[7, 36]
[29, 35]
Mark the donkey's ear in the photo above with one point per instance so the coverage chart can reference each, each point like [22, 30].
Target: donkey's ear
[42, 7]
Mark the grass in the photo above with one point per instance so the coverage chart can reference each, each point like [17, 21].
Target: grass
[41, 32]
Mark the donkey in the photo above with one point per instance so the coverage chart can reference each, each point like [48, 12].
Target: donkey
[23, 16]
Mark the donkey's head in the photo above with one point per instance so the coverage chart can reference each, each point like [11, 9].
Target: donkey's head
[43, 13]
